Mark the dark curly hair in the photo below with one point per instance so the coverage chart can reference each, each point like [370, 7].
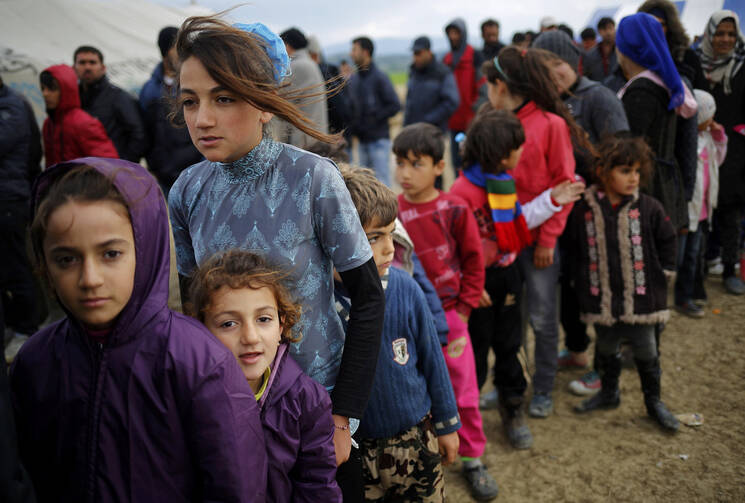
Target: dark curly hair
[623, 149]
[239, 269]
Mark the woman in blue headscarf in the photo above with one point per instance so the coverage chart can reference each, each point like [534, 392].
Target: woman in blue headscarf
[652, 96]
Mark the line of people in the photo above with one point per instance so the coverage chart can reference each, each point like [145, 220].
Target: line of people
[338, 334]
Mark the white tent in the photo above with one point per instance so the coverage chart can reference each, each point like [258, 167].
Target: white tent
[40, 33]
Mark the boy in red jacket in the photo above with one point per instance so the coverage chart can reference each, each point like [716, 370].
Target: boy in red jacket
[446, 240]
[69, 132]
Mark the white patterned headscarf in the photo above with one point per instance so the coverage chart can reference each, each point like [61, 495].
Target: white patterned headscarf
[707, 107]
[721, 69]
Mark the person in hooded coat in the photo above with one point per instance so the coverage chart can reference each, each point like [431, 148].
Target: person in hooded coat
[152, 408]
[69, 132]
[465, 63]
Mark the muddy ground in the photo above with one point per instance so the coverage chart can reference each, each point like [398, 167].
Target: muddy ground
[621, 455]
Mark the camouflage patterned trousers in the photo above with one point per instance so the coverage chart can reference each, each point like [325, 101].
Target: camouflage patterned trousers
[406, 467]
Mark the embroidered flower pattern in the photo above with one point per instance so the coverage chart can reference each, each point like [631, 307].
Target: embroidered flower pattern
[592, 247]
[637, 253]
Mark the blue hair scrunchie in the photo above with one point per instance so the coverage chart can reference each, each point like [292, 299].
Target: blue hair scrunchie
[640, 38]
[274, 46]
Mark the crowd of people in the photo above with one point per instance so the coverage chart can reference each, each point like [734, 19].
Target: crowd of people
[334, 336]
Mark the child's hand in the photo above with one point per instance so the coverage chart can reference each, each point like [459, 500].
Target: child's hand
[715, 127]
[485, 300]
[448, 445]
[342, 439]
[567, 192]
[543, 257]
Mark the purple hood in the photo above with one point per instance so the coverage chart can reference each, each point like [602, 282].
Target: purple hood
[161, 412]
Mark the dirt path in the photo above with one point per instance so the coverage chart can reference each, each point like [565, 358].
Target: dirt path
[620, 455]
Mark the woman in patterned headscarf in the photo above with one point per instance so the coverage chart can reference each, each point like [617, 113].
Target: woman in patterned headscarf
[722, 54]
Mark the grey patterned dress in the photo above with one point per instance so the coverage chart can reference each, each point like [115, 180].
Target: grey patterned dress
[290, 206]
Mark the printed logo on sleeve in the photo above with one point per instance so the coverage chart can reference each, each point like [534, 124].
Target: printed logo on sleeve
[400, 351]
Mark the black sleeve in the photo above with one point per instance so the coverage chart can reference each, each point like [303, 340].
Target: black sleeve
[15, 484]
[131, 119]
[362, 344]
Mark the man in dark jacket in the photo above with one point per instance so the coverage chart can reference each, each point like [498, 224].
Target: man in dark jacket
[490, 34]
[600, 62]
[20, 153]
[465, 63]
[432, 95]
[373, 102]
[170, 149]
[114, 107]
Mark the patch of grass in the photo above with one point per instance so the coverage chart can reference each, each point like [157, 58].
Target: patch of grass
[398, 78]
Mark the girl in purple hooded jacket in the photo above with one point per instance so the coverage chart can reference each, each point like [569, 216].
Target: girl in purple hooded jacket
[124, 400]
[244, 303]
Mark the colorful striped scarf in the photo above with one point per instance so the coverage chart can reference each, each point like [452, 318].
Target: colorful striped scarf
[510, 228]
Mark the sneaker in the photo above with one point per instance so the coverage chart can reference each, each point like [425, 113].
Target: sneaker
[482, 484]
[11, 350]
[489, 400]
[568, 360]
[541, 405]
[715, 267]
[702, 302]
[690, 309]
[588, 384]
[734, 285]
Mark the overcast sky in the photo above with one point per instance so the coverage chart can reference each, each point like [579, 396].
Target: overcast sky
[341, 20]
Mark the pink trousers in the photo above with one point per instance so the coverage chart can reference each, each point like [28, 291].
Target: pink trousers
[462, 369]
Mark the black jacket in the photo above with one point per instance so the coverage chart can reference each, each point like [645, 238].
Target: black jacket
[337, 102]
[171, 150]
[432, 95]
[119, 114]
[730, 113]
[622, 259]
[374, 101]
[646, 109]
[15, 484]
[20, 146]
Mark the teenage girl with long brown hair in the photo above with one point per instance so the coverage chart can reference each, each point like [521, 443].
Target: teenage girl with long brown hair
[282, 202]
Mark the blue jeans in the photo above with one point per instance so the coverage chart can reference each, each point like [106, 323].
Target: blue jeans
[689, 246]
[541, 302]
[455, 151]
[375, 155]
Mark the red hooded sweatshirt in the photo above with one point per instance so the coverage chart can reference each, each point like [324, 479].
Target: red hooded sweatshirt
[70, 132]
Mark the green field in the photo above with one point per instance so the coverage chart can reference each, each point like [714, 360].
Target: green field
[398, 78]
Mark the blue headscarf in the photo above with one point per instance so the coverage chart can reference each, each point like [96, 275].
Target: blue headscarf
[639, 37]
[274, 47]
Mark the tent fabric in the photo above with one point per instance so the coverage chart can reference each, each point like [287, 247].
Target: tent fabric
[41, 33]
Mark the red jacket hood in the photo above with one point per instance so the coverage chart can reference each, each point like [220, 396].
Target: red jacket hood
[68, 84]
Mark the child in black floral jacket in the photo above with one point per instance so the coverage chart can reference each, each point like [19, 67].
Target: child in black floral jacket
[624, 253]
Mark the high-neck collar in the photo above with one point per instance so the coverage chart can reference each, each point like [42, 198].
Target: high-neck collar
[252, 165]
